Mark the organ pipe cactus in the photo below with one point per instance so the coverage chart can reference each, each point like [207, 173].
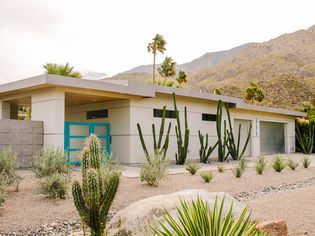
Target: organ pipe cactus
[182, 143]
[205, 151]
[159, 149]
[94, 198]
[306, 140]
[223, 152]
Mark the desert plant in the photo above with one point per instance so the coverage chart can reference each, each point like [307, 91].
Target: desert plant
[205, 151]
[182, 143]
[49, 161]
[64, 70]
[278, 164]
[242, 163]
[2, 189]
[159, 149]
[305, 140]
[254, 93]
[8, 166]
[167, 68]
[220, 168]
[292, 164]
[207, 176]
[54, 186]
[192, 167]
[306, 162]
[154, 171]
[181, 78]
[94, 198]
[197, 218]
[238, 171]
[261, 165]
[223, 151]
[167, 83]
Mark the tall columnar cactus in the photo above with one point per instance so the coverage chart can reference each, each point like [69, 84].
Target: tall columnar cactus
[159, 149]
[205, 151]
[305, 140]
[223, 152]
[94, 198]
[234, 148]
[182, 144]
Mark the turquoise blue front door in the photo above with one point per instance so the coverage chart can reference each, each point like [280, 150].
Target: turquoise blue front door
[77, 132]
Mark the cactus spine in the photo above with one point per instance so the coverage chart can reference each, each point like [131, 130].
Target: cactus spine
[223, 152]
[94, 198]
[205, 151]
[306, 141]
[159, 149]
[182, 145]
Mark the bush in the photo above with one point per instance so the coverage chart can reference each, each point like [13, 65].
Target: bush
[8, 165]
[49, 161]
[54, 186]
[2, 193]
[220, 168]
[154, 170]
[238, 171]
[243, 164]
[207, 176]
[260, 165]
[192, 167]
[198, 218]
[278, 164]
[293, 164]
[306, 162]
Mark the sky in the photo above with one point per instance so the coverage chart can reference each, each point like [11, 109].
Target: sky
[110, 36]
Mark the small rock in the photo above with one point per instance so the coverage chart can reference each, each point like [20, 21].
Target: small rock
[274, 228]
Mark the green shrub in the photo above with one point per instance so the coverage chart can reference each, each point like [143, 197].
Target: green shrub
[278, 164]
[243, 164]
[306, 162]
[54, 186]
[261, 165]
[198, 218]
[220, 168]
[2, 193]
[192, 167]
[207, 176]
[293, 164]
[49, 161]
[238, 171]
[153, 171]
[8, 166]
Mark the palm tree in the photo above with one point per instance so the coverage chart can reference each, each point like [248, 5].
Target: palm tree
[167, 68]
[181, 77]
[254, 93]
[63, 70]
[157, 45]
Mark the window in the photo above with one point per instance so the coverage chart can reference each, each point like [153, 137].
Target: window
[169, 113]
[97, 114]
[209, 117]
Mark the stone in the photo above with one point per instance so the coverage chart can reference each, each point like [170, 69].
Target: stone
[274, 228]
[136, 218]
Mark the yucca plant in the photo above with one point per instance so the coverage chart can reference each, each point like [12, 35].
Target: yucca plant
[192, 167]
[306, 162]
[196, 218]
[207, 176]
[293, 164]
[261, 165]
[278, 164]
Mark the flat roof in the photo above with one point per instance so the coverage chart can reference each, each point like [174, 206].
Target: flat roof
[133, 88]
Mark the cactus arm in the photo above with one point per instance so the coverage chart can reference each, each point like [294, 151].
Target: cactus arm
[79, 201]
[155, 147]
[162, 127]
[247, 141]
[166, 142]
[238, 139]
[94, 149]
[177, 119]
[144, 147]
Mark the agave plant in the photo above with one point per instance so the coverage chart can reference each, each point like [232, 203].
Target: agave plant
[197, 219]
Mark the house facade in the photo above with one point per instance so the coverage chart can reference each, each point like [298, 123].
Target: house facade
[71, 109]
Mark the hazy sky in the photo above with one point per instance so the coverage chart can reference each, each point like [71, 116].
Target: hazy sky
[111, 36]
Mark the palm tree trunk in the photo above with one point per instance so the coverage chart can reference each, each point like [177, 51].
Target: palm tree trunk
[153, 68]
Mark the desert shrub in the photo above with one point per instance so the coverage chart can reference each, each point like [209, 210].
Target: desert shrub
[261, 165]
[306, 162]
[54, 186]
[154, 170]
[278, 164]
[8, 165]
[238, 171]
[293, 164]
[207, 176]
[2, 193]
[49, 161]
[192, 167]
[198, 218]
[220, 168]
[168, 83]
[243, 164]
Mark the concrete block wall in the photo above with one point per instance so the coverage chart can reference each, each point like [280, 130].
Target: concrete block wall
[24, 137]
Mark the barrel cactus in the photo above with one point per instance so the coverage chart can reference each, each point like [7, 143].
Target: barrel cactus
[93, 199]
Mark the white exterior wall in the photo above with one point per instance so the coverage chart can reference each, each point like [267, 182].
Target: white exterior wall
[4, 110]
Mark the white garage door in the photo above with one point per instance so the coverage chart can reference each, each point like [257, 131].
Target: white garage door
[245, 126]
[271, 137]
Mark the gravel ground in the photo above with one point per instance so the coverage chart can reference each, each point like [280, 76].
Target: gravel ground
[288, 195]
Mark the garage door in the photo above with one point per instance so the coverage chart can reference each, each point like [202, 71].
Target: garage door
[271, 137]
[245, 126]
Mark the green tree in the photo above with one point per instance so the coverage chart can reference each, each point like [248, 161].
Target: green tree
[156, 45]
[167, 68]
[181, 77]
[64, 70]
[254, 93]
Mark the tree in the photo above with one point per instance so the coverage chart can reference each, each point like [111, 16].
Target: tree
[254, 93]
[64, 70]
[181, 77]
[157, 45]
[167, 68]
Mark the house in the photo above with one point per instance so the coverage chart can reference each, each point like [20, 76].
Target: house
[71, 109]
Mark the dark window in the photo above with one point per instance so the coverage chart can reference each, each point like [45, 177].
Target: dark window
[97, 114]
[209, 117]
[169, 113]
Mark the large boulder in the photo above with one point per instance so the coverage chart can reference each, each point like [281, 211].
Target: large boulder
[135, 220]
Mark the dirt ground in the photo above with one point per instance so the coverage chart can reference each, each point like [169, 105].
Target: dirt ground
[26, 208]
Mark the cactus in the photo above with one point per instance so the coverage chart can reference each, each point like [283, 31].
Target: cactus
[94, 198]
[305, 140]
[182, 145]
[223, 152]
[234, 149]
[205, 151]
[159, 150]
